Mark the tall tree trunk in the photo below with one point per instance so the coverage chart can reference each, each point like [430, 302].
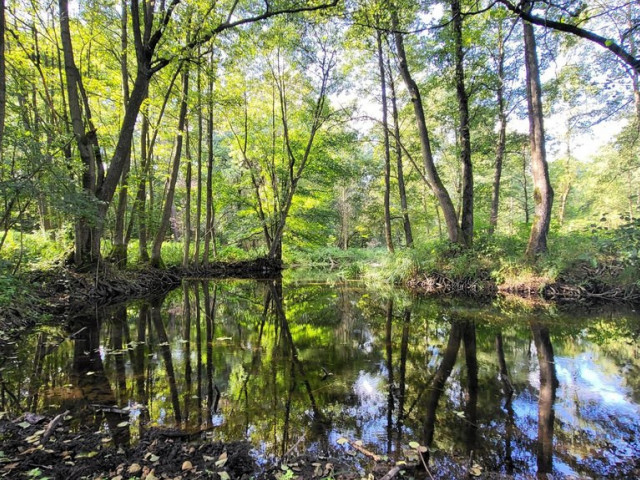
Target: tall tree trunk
[387, 153]
[3, 79]
[120, 241]
[87, 239]
[141, 198]
[198, 236]
[543, 193]
[563, 202]
[209, 220]
[525, 187]
[449, 211]
[406, 223]
[466, 218]
[502, 136]
[187, 207]
[156, 250]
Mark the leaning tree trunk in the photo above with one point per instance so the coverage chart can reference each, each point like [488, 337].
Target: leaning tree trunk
[408, 233]
[466, 220]
[387, 153]
[543, 193]
[156, 250]
[439, 190]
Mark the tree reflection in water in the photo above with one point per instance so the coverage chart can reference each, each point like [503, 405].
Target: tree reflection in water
[297, 367]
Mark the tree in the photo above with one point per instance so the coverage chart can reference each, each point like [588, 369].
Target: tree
[580, 14]
[466, 217]
[150, 25]
[543, 192]
[387, 152]
[431, 173]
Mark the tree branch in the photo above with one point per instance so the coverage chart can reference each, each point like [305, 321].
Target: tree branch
[606, 43]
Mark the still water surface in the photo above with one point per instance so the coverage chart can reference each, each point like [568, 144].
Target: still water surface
[520, 389]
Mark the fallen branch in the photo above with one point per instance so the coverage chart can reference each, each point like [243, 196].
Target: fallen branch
[53, 424]
[392, 473]
[368, 453]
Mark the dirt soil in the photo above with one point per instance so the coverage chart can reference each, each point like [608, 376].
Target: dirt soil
[79, 453]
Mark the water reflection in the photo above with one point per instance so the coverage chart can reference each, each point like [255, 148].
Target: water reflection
[294, 368]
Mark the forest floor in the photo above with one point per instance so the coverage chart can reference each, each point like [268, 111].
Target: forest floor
[50, 448]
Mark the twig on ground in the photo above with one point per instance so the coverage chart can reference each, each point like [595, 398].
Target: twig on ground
[53, 424]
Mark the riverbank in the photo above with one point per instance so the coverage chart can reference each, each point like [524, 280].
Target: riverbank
[61, 292]
[40, 447]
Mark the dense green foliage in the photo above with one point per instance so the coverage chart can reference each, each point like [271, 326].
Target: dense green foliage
[283, 143]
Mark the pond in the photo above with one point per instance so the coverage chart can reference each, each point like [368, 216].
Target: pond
[507, 386]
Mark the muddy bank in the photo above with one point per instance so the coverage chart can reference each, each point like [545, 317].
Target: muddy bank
[61, 292]
[62, 447]
[587, 291]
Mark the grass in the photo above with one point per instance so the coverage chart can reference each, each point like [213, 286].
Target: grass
[613, 252]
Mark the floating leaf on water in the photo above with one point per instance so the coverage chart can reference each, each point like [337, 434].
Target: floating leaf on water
[475, 470]
[414, 445]
[423, 449]
[342, 441]
[90, 373]
[123, 424]
[359, 443]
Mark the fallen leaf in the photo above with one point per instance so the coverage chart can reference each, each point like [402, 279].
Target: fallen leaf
[222, 459]
[187, 465]
[134, 468]
[224, 475]
[342, 441]
[414, 445]
[475, 470]
[152, 475]
[122, 424]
